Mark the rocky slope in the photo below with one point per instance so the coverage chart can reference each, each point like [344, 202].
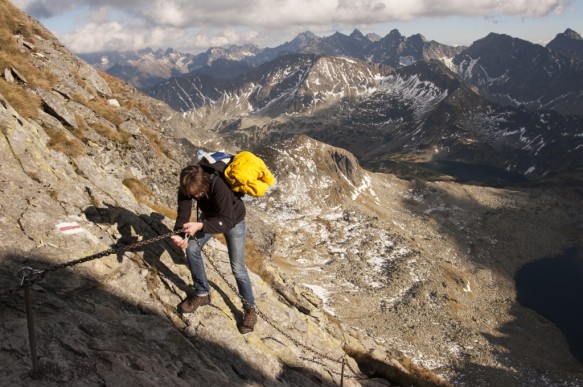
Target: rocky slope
[88, 163]
[515, 72]
[427, 267]
[404, 281]
[568, 43]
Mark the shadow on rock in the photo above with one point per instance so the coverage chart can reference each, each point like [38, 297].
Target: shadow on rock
[553, 287]
[134, 228]
[87, 335]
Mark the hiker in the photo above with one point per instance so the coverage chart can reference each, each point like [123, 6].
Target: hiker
[222, 212]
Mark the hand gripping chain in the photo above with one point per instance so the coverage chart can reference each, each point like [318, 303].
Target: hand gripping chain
[30, 276]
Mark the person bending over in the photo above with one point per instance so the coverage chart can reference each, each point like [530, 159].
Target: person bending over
[222, 212]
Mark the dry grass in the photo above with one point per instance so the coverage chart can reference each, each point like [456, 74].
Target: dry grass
[143, 193]
[137, 187]
[60, 142]
[132, 103]
[117, 86]
[13, 22]
[95, 202]
[158, 144]
[84, 83]
[101, 108]
[120, 88]
[160, 208]
[253, 260]
[54, 194]
[112, 134]
[82, 128]
[21, 100]
[16, 22]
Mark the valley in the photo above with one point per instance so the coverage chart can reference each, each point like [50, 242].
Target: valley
[427, 267]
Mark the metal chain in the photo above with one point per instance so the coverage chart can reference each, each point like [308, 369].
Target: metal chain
[31, 276]
[27, 274]
[112, 250]
[287, 335]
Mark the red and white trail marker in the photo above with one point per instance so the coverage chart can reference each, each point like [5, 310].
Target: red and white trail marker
[69, 228]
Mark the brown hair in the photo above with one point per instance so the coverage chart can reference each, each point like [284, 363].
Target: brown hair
[193, 180]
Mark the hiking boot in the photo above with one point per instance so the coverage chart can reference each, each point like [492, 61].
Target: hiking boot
[192, 303]
[249, 320]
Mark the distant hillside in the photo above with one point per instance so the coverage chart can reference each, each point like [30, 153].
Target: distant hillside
[515, 72]
[568, 43]
[145, 68]
[421, 112]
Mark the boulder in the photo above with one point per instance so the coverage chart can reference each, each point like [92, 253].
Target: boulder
[55, 105]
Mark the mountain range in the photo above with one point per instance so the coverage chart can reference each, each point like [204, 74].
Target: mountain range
[393, 49]
[502, 102]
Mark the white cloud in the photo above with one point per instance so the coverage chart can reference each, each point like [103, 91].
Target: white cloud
[191, 24]
[116, 36]
[269, 13]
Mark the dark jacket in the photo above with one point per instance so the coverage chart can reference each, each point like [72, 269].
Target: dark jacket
[222, 210]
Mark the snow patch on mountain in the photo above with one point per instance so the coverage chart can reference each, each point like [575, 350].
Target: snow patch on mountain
[423, 96]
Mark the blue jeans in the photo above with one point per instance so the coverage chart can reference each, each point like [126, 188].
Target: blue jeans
[236, 245]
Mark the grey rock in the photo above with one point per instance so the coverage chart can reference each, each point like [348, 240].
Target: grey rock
[18, 75]
[8, 75]
[55, 105]
[130, 127]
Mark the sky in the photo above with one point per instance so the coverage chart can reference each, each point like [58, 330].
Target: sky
[193, 26]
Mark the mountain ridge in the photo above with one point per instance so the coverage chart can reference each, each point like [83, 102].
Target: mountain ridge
[568, 43]
[419, 112]
[355, 45]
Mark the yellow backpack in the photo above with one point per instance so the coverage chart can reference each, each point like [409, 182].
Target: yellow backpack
[244, 173]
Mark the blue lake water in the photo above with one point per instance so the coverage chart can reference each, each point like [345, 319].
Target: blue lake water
[553, 287]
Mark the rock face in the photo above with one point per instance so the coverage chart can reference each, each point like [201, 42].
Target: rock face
[80, 176]
[515, 72]
[568, 43]
[360, 278]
